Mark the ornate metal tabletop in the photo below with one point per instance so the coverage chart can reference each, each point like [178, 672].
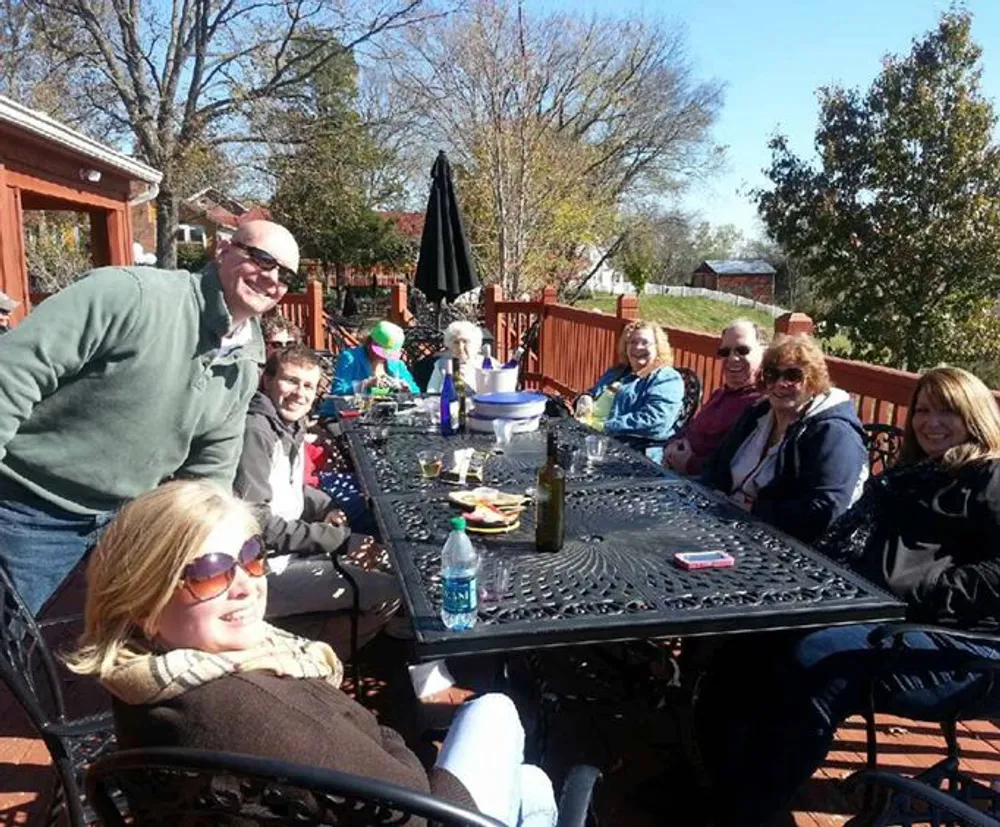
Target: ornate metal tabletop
[386, 455]
[615, 578]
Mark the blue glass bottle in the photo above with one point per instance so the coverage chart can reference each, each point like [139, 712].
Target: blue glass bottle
[449, 402]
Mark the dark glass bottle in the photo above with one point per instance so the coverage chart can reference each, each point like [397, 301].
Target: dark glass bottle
[448, 399]
[460, 390]
[550, 501]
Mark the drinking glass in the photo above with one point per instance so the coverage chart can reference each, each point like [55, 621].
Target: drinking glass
[358, 385]
[492, 581]
[430, 463]
[597, 447]
[503, 429]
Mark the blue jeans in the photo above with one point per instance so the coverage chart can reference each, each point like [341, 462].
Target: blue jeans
[40, 543]
[768, 714]
[484, 749]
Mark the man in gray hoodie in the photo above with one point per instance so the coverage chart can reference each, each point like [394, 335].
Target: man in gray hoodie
[301, 524]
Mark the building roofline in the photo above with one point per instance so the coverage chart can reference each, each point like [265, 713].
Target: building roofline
[40, 124]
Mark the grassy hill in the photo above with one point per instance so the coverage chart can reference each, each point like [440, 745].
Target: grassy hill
[693, 313]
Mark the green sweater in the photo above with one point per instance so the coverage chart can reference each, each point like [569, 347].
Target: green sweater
[117, 383]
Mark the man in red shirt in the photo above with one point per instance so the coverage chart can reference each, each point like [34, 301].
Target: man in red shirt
[741, 349]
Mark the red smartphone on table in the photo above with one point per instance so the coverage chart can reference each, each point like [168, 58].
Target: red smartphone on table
[691, 560]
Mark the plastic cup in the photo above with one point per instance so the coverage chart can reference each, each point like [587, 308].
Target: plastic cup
[493, 580]
[430, 463]
[597, 447]
[503, 430]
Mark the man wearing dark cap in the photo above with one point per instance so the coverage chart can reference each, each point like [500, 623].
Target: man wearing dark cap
[126, 378]
[7, 306]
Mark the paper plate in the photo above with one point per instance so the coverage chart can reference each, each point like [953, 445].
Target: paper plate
[489, 496]
[503, 529]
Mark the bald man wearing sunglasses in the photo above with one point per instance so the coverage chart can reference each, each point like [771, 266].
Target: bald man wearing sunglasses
[126, 378]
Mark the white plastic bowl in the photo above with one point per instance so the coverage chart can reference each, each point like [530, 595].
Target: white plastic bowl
[483, 425]
[509, 405]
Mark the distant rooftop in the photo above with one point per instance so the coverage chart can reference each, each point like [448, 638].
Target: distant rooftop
[737, 267]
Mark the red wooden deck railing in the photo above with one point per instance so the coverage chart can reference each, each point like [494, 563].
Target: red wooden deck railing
[576, 346]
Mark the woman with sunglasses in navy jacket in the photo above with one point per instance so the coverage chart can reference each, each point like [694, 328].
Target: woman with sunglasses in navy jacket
[797, 459]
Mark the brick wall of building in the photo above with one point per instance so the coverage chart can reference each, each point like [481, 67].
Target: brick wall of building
[758, 288]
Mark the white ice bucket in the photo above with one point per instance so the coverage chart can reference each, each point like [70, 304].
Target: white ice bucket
[501, 380]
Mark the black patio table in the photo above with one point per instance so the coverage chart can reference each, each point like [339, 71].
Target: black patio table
[615, 578]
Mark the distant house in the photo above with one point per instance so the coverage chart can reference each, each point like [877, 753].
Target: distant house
[210, 214]
[753, 278]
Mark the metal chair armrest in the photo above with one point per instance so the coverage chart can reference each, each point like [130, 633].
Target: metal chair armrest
[80, 726]
[938, 800]
[59, 621]
[576, 799]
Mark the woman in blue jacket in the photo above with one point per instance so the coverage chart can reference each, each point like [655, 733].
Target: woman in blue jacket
[375, 362]
[648, 393]
[796, 459]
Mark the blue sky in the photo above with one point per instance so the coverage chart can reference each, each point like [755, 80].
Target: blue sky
[772, 56]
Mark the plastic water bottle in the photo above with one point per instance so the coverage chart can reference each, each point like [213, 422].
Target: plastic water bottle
[459, 569]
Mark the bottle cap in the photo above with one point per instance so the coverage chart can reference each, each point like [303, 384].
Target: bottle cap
[457, 523]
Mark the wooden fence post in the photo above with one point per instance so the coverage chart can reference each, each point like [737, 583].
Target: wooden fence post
[315, 316]
[399, 313]
[494, 294]
[628, 306]
[548, 297]
[793, 323]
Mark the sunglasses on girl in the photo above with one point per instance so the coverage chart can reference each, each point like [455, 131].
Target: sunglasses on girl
[210, 575]
[266, 262]
[772, 374]
[739, 350]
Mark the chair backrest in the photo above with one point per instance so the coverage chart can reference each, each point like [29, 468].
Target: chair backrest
[884, 443]
[422, 342]
[692, 396]
[178, 787]
[422, 370]
[27, 665]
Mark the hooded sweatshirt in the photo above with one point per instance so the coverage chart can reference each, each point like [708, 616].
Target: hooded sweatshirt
[816, 472]
[271, 476]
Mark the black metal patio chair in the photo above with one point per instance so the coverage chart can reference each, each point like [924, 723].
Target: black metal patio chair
[178, 787]
[907, 802]
[946, 772]
[692, 396]
[422, 341]
[884, 443]
[28, 669]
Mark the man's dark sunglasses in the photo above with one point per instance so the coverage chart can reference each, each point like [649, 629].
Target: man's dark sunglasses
[267, 262]
[772, 375]
[740, 350]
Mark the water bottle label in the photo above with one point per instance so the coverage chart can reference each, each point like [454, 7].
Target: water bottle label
[460, 594]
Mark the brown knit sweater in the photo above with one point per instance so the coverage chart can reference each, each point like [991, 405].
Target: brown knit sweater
[305, 721]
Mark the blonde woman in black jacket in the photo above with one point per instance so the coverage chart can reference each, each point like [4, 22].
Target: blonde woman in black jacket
[927, 530]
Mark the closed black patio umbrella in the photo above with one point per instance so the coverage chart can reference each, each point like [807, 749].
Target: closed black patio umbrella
[445, 269]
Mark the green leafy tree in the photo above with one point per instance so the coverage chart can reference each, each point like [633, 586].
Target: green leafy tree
[898, 228]
[324, 188]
